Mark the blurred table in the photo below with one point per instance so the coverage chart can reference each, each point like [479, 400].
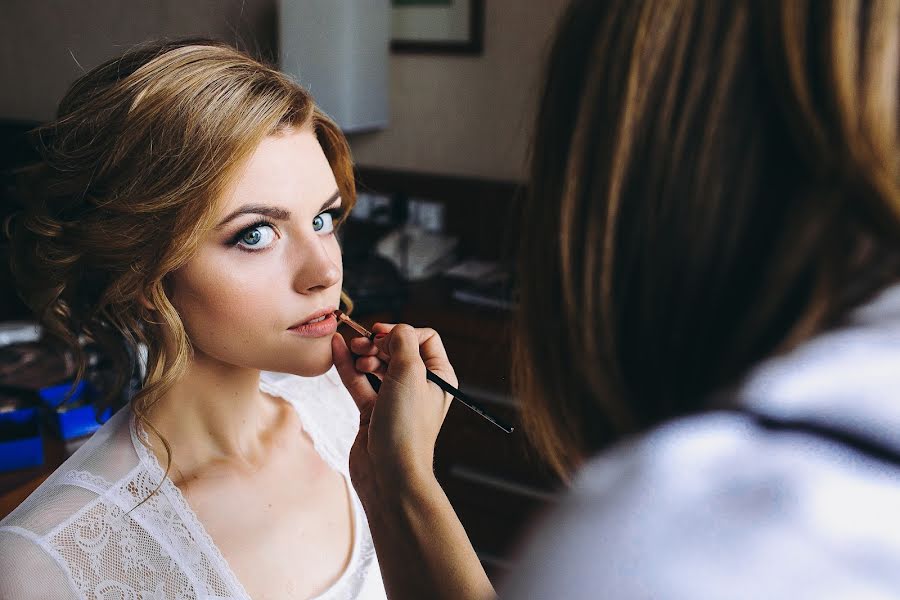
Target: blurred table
[15, 486]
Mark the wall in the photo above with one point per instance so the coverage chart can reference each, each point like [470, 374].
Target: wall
[453, 115]
[468, 115]
[45, 44]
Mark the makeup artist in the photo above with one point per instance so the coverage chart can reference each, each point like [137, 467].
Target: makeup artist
[709, 327]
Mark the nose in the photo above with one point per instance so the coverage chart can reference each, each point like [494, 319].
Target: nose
[318, 265]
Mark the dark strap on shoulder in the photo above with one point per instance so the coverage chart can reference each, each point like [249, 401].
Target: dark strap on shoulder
[857, 442]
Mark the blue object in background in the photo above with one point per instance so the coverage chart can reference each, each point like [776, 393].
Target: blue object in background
[21, 445]
[54, 395]
[22, 451]
[72, 421]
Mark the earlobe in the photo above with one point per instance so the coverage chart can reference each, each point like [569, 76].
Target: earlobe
[145, 302]
[144, 299]
[162, 294]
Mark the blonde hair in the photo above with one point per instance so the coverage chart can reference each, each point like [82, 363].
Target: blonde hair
[712, 183]
[131, 171]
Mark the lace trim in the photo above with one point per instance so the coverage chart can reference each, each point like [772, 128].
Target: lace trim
[174, 536]
[141, 442]
[87, 480]
[78, 514]
[104, 541]
[363, 552]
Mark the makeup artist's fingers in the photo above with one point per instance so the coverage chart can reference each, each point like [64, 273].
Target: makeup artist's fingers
[431, 349]
[363, 346]
[371, 364]
[434, 355]
[410, 409]
[355, 381]
[410, 348]
[404, 419]
[382, 327]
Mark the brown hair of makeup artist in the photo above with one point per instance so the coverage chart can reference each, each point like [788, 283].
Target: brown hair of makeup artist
[712, 183]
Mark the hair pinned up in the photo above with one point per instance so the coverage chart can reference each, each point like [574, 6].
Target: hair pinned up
[131, 172]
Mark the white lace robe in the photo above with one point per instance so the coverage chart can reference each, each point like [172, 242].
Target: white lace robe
[79, 534]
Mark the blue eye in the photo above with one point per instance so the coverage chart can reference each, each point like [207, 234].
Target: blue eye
[324, 222]
[255, 237]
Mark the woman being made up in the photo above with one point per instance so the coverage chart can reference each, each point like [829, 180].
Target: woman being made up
[709, 330]
[187, 200]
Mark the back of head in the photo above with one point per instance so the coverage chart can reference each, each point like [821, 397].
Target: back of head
[131, 173]
[712, 183]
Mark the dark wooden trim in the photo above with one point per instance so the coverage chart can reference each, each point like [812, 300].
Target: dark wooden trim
[435, 186]
[473, 46]
[481, 212]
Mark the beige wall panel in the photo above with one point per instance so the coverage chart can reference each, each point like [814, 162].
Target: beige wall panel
[45, 44]
[468, 115]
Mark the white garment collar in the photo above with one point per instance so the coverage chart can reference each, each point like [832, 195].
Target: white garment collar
[846, 379]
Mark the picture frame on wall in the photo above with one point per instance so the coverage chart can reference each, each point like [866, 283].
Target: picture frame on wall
[437, 26]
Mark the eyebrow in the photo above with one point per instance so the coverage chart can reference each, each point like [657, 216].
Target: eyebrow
[273, 212]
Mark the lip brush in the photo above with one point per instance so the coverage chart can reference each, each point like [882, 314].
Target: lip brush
[468, 402]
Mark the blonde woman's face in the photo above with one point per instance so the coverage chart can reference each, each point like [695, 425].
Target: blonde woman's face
[271, 264]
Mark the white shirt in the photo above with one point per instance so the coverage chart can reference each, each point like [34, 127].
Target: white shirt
[79, 534]
[717, 506]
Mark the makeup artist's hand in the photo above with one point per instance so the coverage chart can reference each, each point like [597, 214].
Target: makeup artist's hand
[422, 547]
[400, 423]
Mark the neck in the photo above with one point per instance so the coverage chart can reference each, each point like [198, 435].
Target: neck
[215, 413]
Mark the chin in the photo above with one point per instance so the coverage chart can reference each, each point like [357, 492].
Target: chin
[313, 371]
[309, 365]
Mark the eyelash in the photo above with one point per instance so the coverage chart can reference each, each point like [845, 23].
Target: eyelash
[236, 238]
[337, 215]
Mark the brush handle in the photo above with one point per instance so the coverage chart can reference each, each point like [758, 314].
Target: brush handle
[376, 383]
[468, 402]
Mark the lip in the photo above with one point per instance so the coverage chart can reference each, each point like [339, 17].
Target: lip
[315, 315]
[326, 326]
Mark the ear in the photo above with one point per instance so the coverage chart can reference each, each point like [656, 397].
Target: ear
[145, 302]
[144, 297]
[145, 294]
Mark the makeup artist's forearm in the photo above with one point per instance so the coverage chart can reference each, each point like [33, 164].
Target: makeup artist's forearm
[422, 548]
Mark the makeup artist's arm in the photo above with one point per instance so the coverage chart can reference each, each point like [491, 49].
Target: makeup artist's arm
[422, 548]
